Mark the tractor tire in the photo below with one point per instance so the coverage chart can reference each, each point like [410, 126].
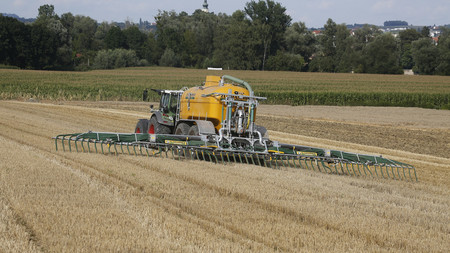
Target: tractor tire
[141, 126]
[193, 130]
[182, 129]
[155, 128]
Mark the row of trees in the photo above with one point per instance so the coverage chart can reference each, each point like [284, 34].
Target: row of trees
[72, 42]
[260, 37]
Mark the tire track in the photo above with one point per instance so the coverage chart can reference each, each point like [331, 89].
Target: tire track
[174, 207]
[393, 137]
[34, 243]
[241, 197]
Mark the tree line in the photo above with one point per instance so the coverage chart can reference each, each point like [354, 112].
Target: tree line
[259, 37]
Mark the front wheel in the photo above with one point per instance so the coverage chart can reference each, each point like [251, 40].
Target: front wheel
[155, 128]
[141, 126]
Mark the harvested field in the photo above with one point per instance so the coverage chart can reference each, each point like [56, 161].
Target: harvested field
[59, 201]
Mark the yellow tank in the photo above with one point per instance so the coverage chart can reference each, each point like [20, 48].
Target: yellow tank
[194, 106]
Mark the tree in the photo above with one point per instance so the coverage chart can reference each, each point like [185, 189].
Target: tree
[58, 40]
[283, 61]
[329, 38]
[189, 55]
[115, 38]
[46, 11]
[381, 56]
[204, 27]
[361, 39]
[270, 21]
[170, 29]
[68, 20]
[83, 33]
[443, 47]
[344, 59]
[365, 35]
[134, 37]
[300, 41]
[406, 38]
[189, 36]
[425, 55]
[117, 58]
[235, 44]
[15, 45]
[149, 50]
[169, 59]
[135, 40]
[100, 34]
[425, 32]
[325, 61]
[44, 44]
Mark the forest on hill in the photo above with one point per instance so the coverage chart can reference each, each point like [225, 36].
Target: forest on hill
[262, 36]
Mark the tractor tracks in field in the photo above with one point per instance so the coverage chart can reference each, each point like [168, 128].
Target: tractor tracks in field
[117, 185]
[33, 242]
[114, 184]
[409, 139]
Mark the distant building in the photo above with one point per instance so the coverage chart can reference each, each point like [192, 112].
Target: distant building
[435, 31]
[317, 32]
[205, 6]
[395, 23]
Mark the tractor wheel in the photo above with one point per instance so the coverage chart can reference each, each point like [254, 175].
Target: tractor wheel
[182, 129]
[141, 126]
[193, 130]
[155, 128]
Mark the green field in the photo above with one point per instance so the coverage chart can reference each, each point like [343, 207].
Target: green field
[292, 88]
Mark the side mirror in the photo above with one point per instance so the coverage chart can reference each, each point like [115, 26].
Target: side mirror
[145, 95]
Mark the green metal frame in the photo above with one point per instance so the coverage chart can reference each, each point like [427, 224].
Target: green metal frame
[278, 156]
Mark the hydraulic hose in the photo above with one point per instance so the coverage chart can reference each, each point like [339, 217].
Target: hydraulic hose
[239, 81]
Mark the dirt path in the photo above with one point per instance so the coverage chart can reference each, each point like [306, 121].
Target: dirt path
[60, 201]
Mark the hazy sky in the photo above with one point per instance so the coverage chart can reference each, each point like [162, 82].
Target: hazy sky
[313, 12]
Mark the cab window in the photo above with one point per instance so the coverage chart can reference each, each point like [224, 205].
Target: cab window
[173, 103]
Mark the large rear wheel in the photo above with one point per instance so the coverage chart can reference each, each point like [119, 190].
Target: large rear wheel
[182, 129]
[193, 130]
[141, 126]
[155, 128]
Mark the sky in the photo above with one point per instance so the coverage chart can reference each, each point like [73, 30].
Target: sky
[314, 13]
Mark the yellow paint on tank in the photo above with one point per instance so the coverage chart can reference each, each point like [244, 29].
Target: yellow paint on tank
[212, 81]
[194, 106]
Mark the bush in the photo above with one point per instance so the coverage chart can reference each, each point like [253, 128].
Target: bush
[117, 58]
[285, 62]
[143, 63]
[169, 59]
[2, 66]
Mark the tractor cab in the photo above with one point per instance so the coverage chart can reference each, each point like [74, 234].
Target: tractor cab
[169, 106]
[169, 103]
